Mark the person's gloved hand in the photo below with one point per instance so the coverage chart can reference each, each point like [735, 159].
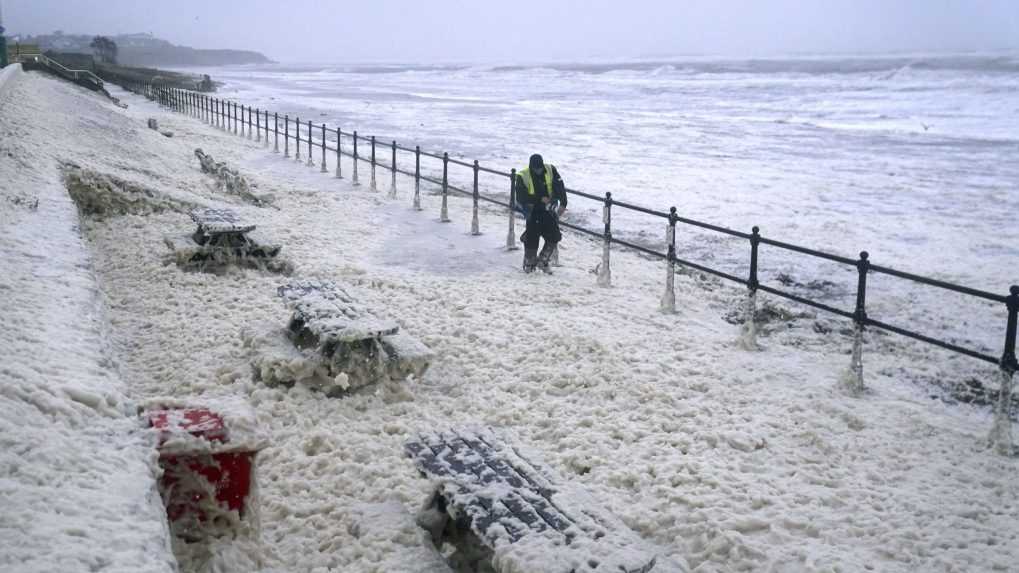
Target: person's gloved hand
[559, 212]
[545, 200]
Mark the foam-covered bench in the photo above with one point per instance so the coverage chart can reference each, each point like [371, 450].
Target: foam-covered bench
[351, 347]
[502, 510]
[221, 239]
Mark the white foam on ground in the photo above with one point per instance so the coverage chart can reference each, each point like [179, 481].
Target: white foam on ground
[729, 460]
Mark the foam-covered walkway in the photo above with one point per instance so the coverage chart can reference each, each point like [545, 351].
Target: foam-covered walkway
[729, 460]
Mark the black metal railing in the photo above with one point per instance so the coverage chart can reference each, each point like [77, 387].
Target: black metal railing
[225, 114]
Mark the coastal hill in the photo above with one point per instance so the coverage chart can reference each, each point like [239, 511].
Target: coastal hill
[146, 50]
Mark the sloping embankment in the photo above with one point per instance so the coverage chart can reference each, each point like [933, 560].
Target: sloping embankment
[77, 470]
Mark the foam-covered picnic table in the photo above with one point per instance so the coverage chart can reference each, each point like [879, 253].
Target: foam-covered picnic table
[526, 518]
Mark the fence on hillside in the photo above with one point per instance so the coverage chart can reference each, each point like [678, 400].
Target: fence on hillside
[261, 125]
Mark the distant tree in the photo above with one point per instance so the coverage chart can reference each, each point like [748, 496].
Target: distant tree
[105, 49]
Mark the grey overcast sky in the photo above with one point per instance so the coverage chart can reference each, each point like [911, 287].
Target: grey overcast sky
[535, 30]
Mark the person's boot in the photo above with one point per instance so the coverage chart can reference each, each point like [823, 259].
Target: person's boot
[530, 259]
[545, 256]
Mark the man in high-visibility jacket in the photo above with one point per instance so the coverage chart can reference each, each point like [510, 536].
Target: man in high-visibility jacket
[541, 197]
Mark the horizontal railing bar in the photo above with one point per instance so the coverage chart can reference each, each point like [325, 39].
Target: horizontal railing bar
[633, 207]
[806, 251]
[805, 301]
[637, 247]
[580, 229]
[492, 171]
[711, 227]
[934, 341]
[709, 270]
[430, 180]
[463, 163]
[582, 194]
[491, 200]
[940, 284]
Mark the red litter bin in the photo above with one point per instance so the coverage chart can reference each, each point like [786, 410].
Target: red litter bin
[207, 480]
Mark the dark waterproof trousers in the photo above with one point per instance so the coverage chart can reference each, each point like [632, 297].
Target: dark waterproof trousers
[541, 224]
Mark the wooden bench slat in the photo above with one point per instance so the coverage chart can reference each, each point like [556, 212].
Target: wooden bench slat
[218, 221]
[506, 497]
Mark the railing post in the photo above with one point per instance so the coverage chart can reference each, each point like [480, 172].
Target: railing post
[853, 378]
[1001, 432]
[392, 183]
[265, 140]
[444, 213]
[748, 333]
[511, 235]
[311, 148]
[339, 155]
[372, 185]
[668, 305]
[604, 272]
[276, 132]
[325, 169]
[248, 134]
[417, 177]
[475, 224]
[286, 136]
[258, 125]
[297, 139]
[353, 180]
[235, 118]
